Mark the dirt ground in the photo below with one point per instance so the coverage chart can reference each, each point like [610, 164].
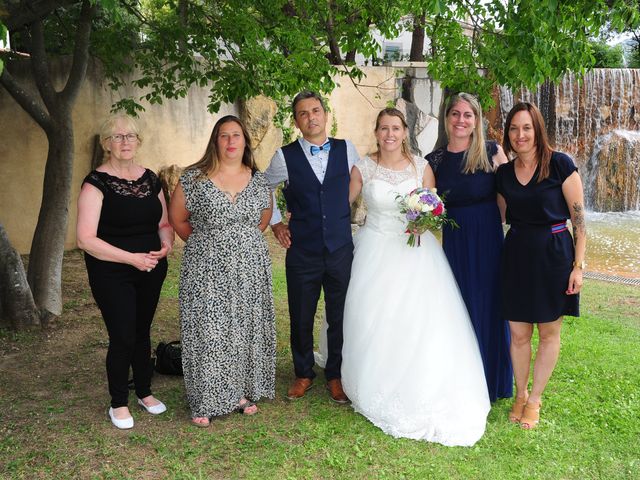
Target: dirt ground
[53, 380]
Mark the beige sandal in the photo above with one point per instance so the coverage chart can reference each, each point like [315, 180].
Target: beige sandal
[517, 409]
[244, 405]
[202, 422]
[531, 416]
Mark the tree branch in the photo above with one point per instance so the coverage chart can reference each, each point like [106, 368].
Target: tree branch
[25, 99]
[22, 14]
[356, 85]
[334, 50]
[80, 54]
[40, 66]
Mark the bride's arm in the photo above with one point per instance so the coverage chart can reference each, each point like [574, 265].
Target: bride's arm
[428, 178]
[355, 184]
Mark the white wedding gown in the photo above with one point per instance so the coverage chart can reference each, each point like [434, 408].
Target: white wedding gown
[411, 362]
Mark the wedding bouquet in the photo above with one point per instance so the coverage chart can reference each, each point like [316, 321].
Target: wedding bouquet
[424, 210]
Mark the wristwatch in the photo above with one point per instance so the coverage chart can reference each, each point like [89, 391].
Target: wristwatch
[579, 265]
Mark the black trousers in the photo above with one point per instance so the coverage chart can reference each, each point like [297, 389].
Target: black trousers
[127, 299]
[308, 273]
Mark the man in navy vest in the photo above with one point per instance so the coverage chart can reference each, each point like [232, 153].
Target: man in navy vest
[315, 170]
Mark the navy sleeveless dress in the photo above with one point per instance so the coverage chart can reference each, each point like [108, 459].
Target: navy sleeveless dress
[539, 252]
[474, 252]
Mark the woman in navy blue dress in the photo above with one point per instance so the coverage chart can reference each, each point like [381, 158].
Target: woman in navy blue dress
[542, 264]
[465, 174]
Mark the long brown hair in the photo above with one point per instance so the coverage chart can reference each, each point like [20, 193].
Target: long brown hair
[475, 158]
[210, 161]
[543, 149]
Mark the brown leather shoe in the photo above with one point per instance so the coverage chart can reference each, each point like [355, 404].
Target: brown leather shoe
[335, 390]
[299, 388]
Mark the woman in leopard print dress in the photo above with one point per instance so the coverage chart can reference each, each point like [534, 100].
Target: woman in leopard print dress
[220, 208]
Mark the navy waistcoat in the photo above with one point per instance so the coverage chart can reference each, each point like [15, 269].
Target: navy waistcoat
[320, 212]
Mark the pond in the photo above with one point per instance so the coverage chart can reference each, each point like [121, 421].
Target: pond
[613, 243]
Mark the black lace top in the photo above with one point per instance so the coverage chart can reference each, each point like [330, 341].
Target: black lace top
[131, 210]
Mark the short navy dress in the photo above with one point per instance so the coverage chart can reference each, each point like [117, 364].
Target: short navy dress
[474, 252]
[538, 252]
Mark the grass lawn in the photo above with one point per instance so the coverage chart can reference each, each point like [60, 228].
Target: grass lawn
[53, 404]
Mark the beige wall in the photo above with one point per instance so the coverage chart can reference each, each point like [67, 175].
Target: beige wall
[175, 132]
[355, 109]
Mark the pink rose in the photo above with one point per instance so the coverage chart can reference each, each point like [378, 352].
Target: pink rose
[438, 210]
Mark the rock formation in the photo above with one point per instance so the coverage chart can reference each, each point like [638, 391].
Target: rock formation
[613, 172]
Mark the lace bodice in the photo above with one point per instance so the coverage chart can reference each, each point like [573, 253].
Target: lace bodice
[380, 188]
[370, 170]
[131, 210]
[142, 187]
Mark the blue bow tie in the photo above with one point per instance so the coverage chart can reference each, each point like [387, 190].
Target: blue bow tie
[315, 150]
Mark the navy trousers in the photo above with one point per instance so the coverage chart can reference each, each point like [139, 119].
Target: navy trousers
[308, 273]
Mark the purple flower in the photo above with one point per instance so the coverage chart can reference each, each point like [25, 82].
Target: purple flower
[412, 215]
[430, 199]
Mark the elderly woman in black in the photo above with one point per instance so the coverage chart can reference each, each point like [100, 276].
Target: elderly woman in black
[124, 230]
[542, 264]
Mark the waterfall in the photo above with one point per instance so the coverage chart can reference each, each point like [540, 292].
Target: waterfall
[580, 115]
[612, 173]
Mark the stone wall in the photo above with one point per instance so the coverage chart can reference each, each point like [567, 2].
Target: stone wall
[174, 133]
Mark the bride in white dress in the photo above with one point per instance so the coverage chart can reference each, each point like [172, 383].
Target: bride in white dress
[411, 362]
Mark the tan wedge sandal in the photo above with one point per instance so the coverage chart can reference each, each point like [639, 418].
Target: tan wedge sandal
[517, 409]
[531, 416]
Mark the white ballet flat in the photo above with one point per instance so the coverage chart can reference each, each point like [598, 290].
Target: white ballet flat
[121, 423]
[154, 409]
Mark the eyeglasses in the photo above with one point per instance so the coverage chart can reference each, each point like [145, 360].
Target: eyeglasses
[129, 137]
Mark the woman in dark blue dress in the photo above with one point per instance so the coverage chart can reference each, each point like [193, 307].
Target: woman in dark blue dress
[465, 174]
[542, 264]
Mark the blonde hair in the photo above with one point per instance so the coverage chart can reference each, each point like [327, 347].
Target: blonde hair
[394, 112]
[108, 126]
[475, 158]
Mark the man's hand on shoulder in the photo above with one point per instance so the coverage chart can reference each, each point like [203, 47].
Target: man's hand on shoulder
[282, 234]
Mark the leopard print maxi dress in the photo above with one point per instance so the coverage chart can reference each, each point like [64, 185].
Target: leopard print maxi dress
[226, 301]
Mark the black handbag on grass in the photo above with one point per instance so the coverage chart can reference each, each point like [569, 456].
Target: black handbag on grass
[169, 358]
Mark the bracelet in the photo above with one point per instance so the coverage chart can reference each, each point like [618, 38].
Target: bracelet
[579, 265]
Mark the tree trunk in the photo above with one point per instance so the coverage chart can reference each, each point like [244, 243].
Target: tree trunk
[334, 56]
[417, 39]
[351, 57]
[51, 109]
[47, 248]
[17, 308]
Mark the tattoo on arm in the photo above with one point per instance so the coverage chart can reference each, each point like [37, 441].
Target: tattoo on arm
[578, 220]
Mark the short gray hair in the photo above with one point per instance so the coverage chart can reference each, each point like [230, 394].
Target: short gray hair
[303, 96]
